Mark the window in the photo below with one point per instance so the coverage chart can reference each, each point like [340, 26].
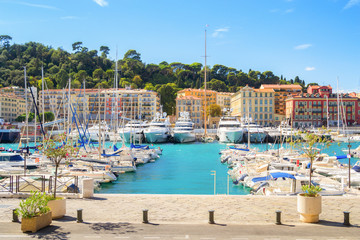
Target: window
[261, 109]
[256, 109]
[261, 101]
[270, 109]
[265, 101]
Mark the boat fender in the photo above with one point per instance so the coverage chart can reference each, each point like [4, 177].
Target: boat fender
[107, 167]
[242, 177]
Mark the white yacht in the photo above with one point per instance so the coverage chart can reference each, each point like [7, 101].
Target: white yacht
[158, 130]
[133, 130]
[184, 129]
[93, 132]
[257, 133]
[230, 130]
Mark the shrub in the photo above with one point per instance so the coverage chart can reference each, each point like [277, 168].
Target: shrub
[311, 190]
[33, 206]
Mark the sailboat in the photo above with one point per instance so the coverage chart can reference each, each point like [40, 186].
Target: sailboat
[205, 138]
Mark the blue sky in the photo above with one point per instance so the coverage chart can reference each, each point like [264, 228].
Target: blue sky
[317, 40]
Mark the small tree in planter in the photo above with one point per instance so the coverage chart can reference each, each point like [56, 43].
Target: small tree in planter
[57, 151]
[309, 202]
[34, 212]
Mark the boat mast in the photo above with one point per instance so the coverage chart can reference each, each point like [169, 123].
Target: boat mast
[205, 89]
[43, 92]
[338, 107]
[327, 112]
[116, 93]
[99, 138]
[84, 103]
[248, 120]
[26, 111]
[105, 125]
[69, 105]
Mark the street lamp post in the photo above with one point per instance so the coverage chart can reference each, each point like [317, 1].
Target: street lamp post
[214, 174]
[349, 156]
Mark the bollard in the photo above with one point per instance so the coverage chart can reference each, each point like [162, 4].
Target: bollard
[15, 216]
[145, 216]
[211, 217]
[347, 218]
[79, 215]
[278, 217]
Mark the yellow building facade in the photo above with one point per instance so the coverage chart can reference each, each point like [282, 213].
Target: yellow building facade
[254, 104]
[11, 107]
[282, 92]
[192, 105]
[127, 103]
[223, 99]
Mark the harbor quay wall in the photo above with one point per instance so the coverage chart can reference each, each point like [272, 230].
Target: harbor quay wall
[188, 209]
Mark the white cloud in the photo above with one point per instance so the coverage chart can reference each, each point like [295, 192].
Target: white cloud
[36, 5]
[289, 10]
[309, 68]
[303, 46]
[101, 3]
[219, 32]
[69, 17]
[352, 3]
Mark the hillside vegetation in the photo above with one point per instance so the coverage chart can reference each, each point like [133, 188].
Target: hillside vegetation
[95, 69]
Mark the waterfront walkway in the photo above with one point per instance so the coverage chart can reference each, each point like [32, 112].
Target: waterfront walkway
[193, 209]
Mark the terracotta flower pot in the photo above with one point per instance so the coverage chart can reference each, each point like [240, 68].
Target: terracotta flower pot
[35, 223]
[309, 208]
[57, 207]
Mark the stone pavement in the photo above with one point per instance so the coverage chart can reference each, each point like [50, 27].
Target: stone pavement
[68, 229]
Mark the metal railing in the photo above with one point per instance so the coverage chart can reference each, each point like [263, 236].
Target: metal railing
[28, 183]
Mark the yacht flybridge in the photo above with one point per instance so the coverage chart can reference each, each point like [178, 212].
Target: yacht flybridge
[230, 129]
[158, 130]
[184, 129]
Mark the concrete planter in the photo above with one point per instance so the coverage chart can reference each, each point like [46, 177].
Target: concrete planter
[57, 207]
[309, 208]
[35, 223]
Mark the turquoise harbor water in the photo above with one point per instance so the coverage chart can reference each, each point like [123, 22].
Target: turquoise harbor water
[186, 169]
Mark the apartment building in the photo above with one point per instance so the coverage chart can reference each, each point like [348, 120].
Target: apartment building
[104, 103]
[258, 105]
[322, 108]
[192, 105]
[11, 107]
[223, 99]
[282, 91]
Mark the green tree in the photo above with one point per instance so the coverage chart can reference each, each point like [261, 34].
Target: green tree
[61, 78]
[77, 47]
[312, 146]
[218, 85]
[105, 51]
[168, 95]
[5, 41]
[132, 54]
[214, 110]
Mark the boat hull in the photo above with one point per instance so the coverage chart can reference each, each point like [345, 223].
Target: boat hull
[9, 135]
[156, 137]
[233, 136]
[139, 136]
[184, 137]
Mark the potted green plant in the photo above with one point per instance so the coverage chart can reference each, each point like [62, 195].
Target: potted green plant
[34, 212]
[57, 151]
[309, 202]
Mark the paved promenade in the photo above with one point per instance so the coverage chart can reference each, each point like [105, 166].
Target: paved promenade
[170, 209]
